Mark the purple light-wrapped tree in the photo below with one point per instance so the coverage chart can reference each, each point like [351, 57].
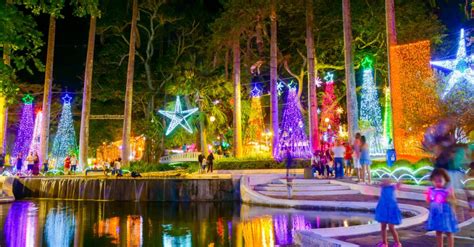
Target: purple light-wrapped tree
[25, 131]
[293, 138]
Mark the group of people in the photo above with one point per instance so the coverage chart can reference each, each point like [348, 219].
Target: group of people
[32, 163]
[206, 162]
[342, 159]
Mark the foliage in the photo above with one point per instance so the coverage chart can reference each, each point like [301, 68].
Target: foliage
[142, 167]
[21, 42]
[256, 163]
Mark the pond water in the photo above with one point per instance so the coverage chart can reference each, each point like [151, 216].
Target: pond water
[91, 223]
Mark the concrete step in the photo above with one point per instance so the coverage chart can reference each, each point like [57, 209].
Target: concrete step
[299, 187]
[310, 193]
[304, 181]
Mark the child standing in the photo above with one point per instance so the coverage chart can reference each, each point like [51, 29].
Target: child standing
[442, 218]
[388, 213]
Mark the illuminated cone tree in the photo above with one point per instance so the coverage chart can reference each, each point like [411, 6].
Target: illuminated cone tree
[330, 107]
[35, 142]
[65, 140]
[292, 136]
[25, 131]
[370, 112]
[255, 126]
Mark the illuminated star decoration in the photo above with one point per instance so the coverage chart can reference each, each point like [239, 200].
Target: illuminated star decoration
[178, 117]
[292, 85]
[255, 92]
[339, 110]
[280, 86]
[329, 78]
[318, 82]
[67, 99]
[27, 99]
[460, 66]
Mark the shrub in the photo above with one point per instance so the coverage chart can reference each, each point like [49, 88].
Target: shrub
[246, 163]
[142, 166]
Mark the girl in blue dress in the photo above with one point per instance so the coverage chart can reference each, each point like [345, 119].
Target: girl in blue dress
[387, 212]
[442, 218]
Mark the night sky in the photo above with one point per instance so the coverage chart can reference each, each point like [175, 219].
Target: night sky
[71, 42]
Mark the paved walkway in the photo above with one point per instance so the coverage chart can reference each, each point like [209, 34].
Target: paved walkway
[412, 236]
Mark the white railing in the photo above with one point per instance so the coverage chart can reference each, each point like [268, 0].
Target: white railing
[183, 157]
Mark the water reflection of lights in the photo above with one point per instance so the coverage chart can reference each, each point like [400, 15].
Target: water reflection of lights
[20, 225]
[110, 228]
[258, 232]
[176, 236]
[59, 228]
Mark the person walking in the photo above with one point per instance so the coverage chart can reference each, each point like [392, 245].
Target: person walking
[201, 158]
[356, 156]
[30, 162]
[36, 164]
[118, 167]
[338, 151]
[67, 165]
[210, 162]
[74, 164]
[348, 158]
[365, 161]
[19, 163]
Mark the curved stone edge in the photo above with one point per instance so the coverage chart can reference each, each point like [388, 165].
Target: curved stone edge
[248, 195]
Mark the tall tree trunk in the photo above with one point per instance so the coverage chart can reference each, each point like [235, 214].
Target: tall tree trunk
[86, 95]
[237, 105]
[202, 136]
[3, 101]
[127, 115]
[48, 84]
[351, 94]
[313, 100]
[391, 31]
[273, 75]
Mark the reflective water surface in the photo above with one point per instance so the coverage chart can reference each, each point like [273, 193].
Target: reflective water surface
[81, 223]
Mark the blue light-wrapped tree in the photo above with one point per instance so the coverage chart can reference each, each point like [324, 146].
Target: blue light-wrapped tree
[65, 140]
[25, 131]
[293, 136]
[370, 112]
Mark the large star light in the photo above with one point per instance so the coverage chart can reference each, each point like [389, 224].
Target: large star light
[460, 66]
[178, 117]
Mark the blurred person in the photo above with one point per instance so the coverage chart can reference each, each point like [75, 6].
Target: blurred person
[365, 161]
[30, 161]
[348, 158]
[36, 164]
[74, 164]
[67, 165]
[338, 151]
[387, 212]
[19, 162]
[210, 162]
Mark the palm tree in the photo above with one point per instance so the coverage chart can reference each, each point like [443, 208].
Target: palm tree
[3, 105]
[237, 104]
[86, 95]
[391, 39]
[351, 95]
[127, 115]
[313, 100]
[48, 84]
[273, 73]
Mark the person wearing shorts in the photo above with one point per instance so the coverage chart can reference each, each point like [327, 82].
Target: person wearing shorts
[365, 161]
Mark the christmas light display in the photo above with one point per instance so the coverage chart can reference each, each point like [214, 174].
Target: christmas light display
[65, 139]
[35, 142]
[413, 94]
[25, 131]
[406, 173]
[280, 86]
[460, 67]
[331, 111]
[293, 138]
[178, 117]
[387, 119]
[370, 112]
[254, 132]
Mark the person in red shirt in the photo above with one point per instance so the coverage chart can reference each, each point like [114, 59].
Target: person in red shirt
[67, 164]
[348, 159]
